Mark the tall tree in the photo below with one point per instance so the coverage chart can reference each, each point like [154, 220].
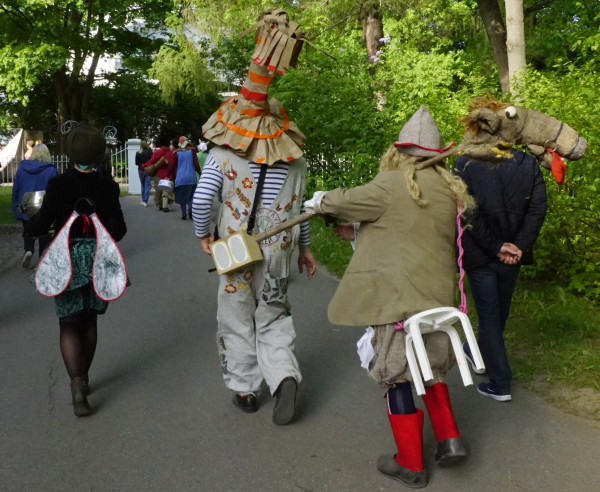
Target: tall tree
[64, 40]
[496, 31]
[515, 40]
[371, 20]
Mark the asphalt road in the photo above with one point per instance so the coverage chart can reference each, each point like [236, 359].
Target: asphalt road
[164, 420]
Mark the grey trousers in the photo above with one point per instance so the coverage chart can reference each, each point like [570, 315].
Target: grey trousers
[255, 334]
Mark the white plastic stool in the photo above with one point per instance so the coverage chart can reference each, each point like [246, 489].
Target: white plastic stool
[427, 322]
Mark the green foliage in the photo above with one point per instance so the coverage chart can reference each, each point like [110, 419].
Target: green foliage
[568, 249]
[135, 107]
[22, 67]
[328, 249]
[228, 58]
[553, 334]
[182, 71]
[562, 31]
[333, 103]
[62, 41]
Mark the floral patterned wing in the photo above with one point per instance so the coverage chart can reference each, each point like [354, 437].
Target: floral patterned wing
[109, 274]
[53, 273]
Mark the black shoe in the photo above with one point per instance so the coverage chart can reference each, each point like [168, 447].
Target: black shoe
[190, 214]
[183, 217]
[81, 407]
[246, 403]
[486, 389]
[450, 452]
[469, 357]
[285, 403]
[387, 465]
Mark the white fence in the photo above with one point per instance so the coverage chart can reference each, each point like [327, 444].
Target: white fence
[118, 163]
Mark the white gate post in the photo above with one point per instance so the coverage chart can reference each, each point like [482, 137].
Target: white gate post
[132, 146]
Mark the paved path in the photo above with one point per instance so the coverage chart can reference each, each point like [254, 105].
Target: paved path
[164, 420]
[11, 246]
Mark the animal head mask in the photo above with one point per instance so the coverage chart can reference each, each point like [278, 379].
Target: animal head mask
[493, 127]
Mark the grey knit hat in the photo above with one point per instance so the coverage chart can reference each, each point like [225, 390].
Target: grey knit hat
[420, 136]
[86, 145]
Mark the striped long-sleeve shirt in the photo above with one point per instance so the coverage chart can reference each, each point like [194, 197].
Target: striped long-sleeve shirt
[210, 184]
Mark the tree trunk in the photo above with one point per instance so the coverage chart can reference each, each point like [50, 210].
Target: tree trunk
[371, 20]
[515, 40]
[63, 107]
[496, 32]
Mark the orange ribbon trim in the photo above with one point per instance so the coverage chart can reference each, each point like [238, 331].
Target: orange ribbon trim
[260, 79]
[251, 133]
[252, 113]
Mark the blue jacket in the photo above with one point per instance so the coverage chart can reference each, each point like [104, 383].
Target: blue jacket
[31, 176]
[511, 206]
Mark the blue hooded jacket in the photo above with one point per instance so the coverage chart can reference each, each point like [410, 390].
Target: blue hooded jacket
[31, 176]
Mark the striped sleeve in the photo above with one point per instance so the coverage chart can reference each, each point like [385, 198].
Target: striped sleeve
[304, 239]
[208, 187]
[274, 180]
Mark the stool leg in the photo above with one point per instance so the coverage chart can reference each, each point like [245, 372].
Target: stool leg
[415, 330]
[473, 345]
[412, 365]
[458, 352]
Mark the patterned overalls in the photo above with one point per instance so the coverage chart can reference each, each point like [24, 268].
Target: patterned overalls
[255, 335]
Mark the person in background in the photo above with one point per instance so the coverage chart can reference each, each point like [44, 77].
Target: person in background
[142, 156]
[403, 264]
[78, 306]
[30, 145]
[498, 239]
[182, 171]
[162, 156]
[32, 175]
[202, 153]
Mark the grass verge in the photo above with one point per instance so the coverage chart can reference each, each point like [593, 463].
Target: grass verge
[6, 215]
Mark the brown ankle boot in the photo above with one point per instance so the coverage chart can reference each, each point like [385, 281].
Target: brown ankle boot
[81, 407]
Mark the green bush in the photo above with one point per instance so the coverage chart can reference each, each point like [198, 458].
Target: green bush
[568, 249]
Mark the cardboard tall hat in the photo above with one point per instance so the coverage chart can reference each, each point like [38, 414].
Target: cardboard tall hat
[251, 124]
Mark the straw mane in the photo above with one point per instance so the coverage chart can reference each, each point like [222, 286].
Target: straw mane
[476, 103]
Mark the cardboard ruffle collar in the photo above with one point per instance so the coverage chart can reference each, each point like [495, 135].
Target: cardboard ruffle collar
[262, 135]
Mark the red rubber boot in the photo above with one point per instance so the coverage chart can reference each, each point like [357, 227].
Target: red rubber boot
[450, 448]
[407, 465]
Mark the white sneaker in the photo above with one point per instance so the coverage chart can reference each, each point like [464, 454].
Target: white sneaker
[144, 204]
[27, 259]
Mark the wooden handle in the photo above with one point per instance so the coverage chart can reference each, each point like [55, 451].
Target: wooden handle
[435, 159]
[288, 224]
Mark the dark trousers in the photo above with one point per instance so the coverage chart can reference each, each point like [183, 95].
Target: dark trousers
[492, 287]
[29, 242]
